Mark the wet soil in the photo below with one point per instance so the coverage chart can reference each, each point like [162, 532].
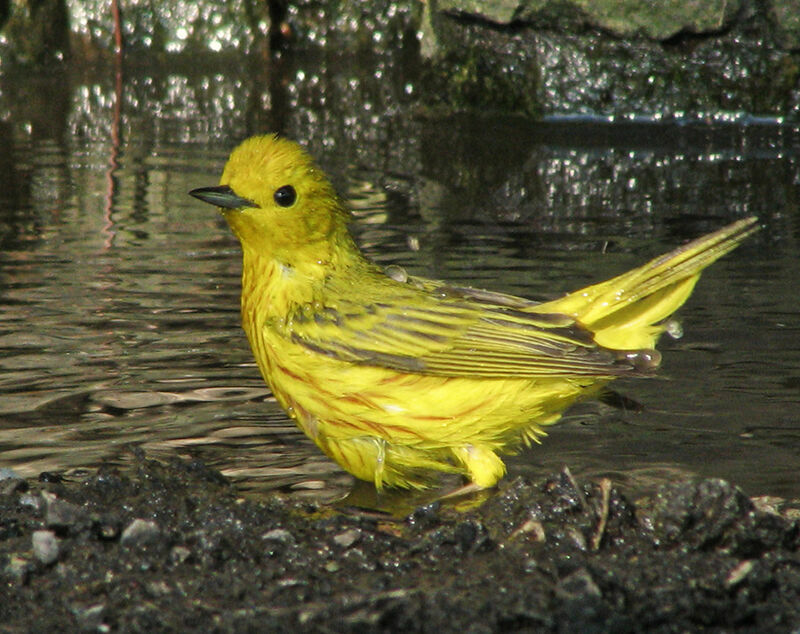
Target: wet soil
[174, 547]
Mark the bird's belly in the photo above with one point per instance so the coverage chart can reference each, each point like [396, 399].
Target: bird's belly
[392, 428]
[338, 400]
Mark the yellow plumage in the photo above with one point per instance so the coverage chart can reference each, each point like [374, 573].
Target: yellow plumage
[395, 377]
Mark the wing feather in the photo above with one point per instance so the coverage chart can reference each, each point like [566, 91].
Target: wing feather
[455, 332]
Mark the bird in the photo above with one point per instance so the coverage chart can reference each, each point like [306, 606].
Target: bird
[400, 379]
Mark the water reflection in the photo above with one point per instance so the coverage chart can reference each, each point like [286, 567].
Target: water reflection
[119, 293]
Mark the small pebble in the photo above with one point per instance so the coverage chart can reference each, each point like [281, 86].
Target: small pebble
[140, 531]
[18, 568]
[738, 573]
[10, 485]
[347, 539]
[107, 531]
[91, 618]
[530, 565]
[531, 529]
[179, 554]
[279, 535]
[32, 501]
[60, 514]
[578, 539]
[157, 588]
[45, 546]
[577, 585]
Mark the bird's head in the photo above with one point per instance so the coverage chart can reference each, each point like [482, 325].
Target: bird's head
[278, 203]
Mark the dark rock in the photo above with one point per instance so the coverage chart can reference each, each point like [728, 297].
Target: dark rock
[565, 493]
[680, 56]
[51, 478]
[11, 483]
[785, 15]
[11, 486]
[31, 501]
[701, 513]
[425, 516]
[714, 514]
[659, 21]
[61, 515]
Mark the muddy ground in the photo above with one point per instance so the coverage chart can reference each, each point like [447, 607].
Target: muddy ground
[173, 547]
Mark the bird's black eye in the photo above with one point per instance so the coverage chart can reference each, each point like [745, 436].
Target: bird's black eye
[285, 196]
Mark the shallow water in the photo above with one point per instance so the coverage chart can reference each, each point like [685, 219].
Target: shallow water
[119, 293]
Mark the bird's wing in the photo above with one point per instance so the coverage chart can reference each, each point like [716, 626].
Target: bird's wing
[458, 332]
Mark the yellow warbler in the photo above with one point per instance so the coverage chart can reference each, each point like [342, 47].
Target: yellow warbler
[396, 377]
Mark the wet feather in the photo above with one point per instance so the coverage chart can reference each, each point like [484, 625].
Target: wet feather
[397, 377]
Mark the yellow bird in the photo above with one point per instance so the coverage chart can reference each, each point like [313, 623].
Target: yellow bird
[397, 377]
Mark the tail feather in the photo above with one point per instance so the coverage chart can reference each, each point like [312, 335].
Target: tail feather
[627, 311]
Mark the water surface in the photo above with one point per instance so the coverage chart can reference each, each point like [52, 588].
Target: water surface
[119, 292]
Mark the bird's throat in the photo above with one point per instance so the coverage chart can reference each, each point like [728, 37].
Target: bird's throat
[272, 288]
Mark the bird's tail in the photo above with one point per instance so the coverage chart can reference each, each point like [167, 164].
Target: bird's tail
[628, 311]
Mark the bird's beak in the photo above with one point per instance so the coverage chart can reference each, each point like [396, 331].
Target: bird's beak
[222, 196]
